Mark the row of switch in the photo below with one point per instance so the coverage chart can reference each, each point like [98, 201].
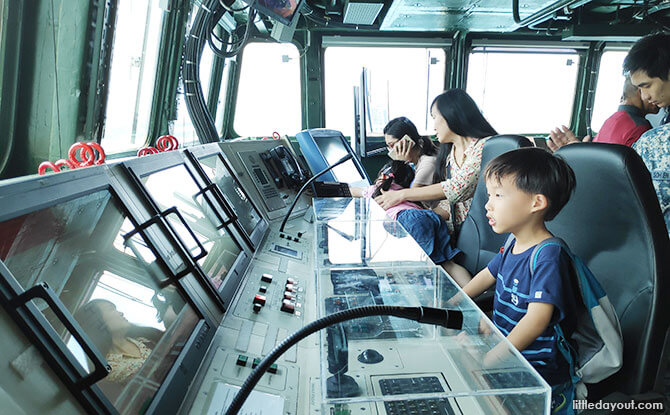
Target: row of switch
[288, 302]
[242, 361]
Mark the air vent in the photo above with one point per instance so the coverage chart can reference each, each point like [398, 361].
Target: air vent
[362, 12]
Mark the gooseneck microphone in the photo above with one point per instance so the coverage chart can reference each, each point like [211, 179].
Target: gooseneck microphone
[452, 319]
[304, 186]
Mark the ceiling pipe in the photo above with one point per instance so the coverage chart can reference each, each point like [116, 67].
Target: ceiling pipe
[541, 15]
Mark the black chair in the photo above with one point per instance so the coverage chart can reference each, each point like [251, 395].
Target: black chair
[477, 240]
[614, 223]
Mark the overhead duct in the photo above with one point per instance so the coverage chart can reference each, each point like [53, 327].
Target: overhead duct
[362, 12]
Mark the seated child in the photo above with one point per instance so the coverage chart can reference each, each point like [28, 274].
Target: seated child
[424, 225]
[526, 188]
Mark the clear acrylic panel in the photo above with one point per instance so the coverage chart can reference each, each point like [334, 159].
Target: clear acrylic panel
[387, 365]
[347, 209]
[176, 187]
[110, 282]
[218, 173]
[367, 243]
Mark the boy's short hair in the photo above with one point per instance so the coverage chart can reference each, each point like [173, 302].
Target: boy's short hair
[536, 171]
[650, 54]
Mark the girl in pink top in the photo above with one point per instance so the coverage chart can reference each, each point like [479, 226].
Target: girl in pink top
[425, 226]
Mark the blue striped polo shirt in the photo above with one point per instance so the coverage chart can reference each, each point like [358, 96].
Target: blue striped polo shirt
[550, 284]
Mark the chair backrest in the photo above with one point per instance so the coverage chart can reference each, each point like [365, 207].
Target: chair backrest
[477, 240]
[613, 222]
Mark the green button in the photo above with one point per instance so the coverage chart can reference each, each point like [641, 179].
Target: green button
[273, 368]
[242, 360]
[256, 362]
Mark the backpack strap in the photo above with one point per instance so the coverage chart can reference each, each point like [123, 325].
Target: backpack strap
[536, 251]
[566, 349]
[508, 243]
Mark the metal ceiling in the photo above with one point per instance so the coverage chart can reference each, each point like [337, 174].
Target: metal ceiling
[473, 16]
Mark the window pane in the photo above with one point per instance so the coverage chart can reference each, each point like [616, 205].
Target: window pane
[268, 97]
[609, 87]
[183, 128]
[523, 92]
[132, 74]
[395, 88]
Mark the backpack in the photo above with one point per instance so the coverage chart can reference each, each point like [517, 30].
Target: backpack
[595, 348]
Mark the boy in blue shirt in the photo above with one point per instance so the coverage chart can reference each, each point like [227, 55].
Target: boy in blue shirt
[526, 188]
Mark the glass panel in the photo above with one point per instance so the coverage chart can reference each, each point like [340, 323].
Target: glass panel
[218, 173]
[78, 248]
[523, 92]
[459, 375]
[348, 243]
[175, 187]
[268, 97]
[347, 209]
[401, 82]
[132, 74]
[609, 88]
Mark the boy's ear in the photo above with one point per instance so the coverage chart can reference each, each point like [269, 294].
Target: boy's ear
[539, 202]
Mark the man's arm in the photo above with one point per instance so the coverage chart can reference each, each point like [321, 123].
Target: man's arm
[562, 136]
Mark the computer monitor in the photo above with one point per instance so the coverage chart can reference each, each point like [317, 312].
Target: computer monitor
[323, 147]
[283, 11]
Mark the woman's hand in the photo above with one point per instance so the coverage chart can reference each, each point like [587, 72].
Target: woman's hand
[403, 149]
[390, 198]
[444, 214]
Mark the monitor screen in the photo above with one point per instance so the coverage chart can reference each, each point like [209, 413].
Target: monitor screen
[218, 172]
[333, 150]
[283, 11]
[322, 148]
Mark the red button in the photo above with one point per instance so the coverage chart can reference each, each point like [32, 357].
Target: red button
[259, 299]
[287, 306]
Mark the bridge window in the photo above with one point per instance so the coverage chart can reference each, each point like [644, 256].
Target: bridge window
[609, 87]
[523, 91]
[401, 81]
[132, 75]
[268, 97]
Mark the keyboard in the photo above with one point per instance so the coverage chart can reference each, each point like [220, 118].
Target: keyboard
[425, 384]
[515, 404]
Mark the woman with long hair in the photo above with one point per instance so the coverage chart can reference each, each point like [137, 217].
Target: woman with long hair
[461, 130]
[405, 143]
[125, 346]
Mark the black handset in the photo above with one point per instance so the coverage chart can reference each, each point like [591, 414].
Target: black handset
[273, 168]
[285, 167]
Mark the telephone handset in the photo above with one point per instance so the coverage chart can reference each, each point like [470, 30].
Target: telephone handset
[284, 168]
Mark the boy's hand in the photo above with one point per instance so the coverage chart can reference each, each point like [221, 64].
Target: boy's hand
[484, 327]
